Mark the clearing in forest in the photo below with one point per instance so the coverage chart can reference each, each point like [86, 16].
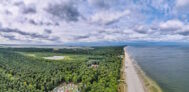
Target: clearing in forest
[54, 58]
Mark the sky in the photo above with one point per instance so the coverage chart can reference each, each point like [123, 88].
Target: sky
[75, 21]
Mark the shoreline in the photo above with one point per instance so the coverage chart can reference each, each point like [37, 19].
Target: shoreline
[134, 83]
[148, 85]
[122, 82]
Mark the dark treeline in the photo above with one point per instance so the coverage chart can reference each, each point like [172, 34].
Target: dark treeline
[27, 74]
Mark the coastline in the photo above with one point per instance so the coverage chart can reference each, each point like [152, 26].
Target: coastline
[122, 82]
[134, 83]
[148, 84]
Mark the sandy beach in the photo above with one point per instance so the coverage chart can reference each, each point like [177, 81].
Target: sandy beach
[132, 78]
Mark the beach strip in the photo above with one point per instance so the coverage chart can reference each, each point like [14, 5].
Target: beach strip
[133, 81]
[136, 79]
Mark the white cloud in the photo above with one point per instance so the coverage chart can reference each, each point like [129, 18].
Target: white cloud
[171, 25]
[95, 20]
[181, 8]
[182, 3]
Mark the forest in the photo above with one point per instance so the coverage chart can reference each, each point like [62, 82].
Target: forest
[19, 72]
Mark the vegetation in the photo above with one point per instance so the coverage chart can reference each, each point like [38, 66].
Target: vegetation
[32, 73]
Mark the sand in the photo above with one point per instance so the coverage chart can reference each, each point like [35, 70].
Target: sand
[133, 81]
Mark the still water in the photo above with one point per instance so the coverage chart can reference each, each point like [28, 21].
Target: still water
[167, 65]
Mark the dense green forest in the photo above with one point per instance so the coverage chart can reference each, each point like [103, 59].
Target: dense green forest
[19, 72]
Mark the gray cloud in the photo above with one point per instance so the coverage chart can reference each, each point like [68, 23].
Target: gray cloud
[48, 23]
[81, 37]
[109, 17]
[8, 12]
[32, 35]
[8, 30]
[10, 37]
[29, 9]
[100, 3]
[20, 3]
[31, 21]
[41, 23]
[56, 39]
[26, 9]
[141, 29]
[186, 33]
[169, 29]
[66, 11]
[113, 21]
[48, 31]
[107, 4]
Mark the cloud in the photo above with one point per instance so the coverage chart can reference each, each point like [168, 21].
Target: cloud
[141, 29]
[181, 8]
[66, 11]
[171, 25]
[61, 21]
[8, 12]
[101, 3]
[48, 31]
[108, 4]
[19, 3]
[9, 37]
[182, 3]
[81, 37]
[33, 22]
[29, 9]
[108, 17]
[26, 9]
[185, 33]
[26, 34]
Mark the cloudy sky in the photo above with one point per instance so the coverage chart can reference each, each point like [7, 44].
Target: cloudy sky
[64, 21]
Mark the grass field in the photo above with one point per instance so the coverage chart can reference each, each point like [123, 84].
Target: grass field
[67, 57]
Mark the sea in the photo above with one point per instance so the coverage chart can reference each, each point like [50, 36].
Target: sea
[168, 66]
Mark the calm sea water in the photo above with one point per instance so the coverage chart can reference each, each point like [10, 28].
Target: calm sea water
[168, 66]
